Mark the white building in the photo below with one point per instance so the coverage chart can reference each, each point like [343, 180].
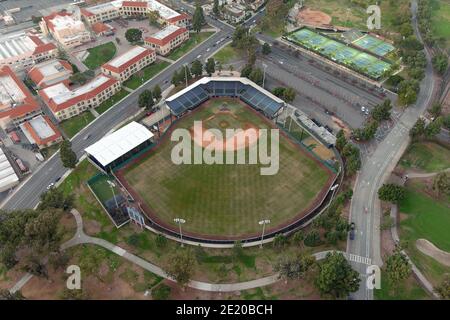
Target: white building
[8, 177]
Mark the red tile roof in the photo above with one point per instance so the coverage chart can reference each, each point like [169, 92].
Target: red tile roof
[29, 103]
[37, 77]
[139, 4]
[89, 95]
[167, 39]
[181, 16]
[99, 27]
[37, 138]
[123, 67]
[41, 46]
[51, 16]
[86, 13]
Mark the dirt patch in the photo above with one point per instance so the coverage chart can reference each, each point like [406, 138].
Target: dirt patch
[319, 149]
[428, 248]
[313, 17]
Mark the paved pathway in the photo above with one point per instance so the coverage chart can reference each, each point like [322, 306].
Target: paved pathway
[413, 175]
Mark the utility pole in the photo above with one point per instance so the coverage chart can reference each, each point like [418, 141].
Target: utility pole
[113, 185]
[263, 223]
[264, 74]
[180, 221]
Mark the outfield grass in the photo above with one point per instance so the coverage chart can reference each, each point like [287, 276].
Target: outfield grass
[426, 156]
[73, 125]
[100, 55]
[102, 189]
[227, 199]
[149, 72]
[227, 54]
[105, 105]
[194, 40]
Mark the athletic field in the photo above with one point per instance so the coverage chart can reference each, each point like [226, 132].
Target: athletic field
[226, 200]
[336, 51]
[374, 45]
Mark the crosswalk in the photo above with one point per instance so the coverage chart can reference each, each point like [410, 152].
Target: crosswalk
[358, 259]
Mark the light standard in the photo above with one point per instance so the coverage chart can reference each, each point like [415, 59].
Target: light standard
[264, 74]
[333, 188]
[263, 223]
[180, 221]
[113, 185]
[185, 73]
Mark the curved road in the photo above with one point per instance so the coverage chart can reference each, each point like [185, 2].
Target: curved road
[376, 169]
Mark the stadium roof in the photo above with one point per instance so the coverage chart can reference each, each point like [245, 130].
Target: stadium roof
[118, 143]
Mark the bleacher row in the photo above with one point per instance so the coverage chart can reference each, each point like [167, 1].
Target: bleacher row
[250, 95]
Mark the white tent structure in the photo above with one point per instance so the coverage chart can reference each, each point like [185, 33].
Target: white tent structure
[8, 177]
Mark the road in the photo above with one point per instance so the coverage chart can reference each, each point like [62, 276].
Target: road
[376, 169]
[28, 193]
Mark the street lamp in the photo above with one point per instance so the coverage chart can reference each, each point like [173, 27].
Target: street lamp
[113, 185]
[263, 223]
[333, 188]
[180, 221]
[264, 74]
[185, 73]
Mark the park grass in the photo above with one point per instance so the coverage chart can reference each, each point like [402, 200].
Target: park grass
[135, 81]
[227, 54]
[440, 22]
[408, 289]
[426, 217]
[74, 125]
[426, 156]
[100, 55]
[105, 105]
[194, 40]
[227, 200]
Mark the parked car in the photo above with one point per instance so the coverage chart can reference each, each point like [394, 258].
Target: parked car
[51, 185]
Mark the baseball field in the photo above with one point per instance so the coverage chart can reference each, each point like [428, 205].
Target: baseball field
[226, 200]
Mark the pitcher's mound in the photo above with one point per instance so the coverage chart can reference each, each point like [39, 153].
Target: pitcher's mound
[313, 17]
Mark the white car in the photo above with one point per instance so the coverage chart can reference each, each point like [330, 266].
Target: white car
[199, 56]
[51, 185]
[207, 50]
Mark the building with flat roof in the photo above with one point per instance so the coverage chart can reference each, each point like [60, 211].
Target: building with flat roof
[167, 39]
[234, 13]
[17, 104]
[119, 146]
[66, 28]
[66, 103]
[120, 8]
[8, 177]
[128, 63]
[50, 72]
[41, 131]
[22, 50]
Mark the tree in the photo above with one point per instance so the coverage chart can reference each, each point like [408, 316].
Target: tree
[161, 292]
[181, 267]
[210, 66]
[293, 268]
[156, 92]
[161, 241]
[56, 199]
[289, 95]
[435, 110]
[68, 157]
[434, 128]
[153, 18]
[443, 290]
[441, 183]
[397, 268]
[246, 71]
[216, 9]
[198, 20]
[391, 193]
[440, 62]
[418, 129]
[266, 48]
[382, 111]
[279, 241]
[257, 76]
[312, 238]
[279, 92]
[336, 276]
[133, 35]
[175, 78]
[5, 294]
[143, 99]
[341, 140]
[197, 68]
[42, 233]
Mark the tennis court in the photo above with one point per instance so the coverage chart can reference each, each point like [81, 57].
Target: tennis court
[374, 45]
[344, 54]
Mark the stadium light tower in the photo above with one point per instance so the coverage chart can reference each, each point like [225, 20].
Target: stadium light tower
[333, 188]
[113, 185]
[264, 74]
[263, 223]
[180, 221]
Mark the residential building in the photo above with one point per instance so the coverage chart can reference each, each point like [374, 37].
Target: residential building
[66, 28]
[41, 132]
[22, 50]
[234, 13]
[17, 104]
[50, 72]
[66, 103]
[119, 8]
[102, 29]
[167, 39]
[128, 63]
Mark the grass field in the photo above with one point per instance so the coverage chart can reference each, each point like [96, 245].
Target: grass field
[227, 54]
[440, 23]
[426, 156]
[73, 125]
[194, 40]
[135, 81]
[226, 200]
[102, 189]
[105, 105]
[100, 55]
[408, 289]
[336, 51]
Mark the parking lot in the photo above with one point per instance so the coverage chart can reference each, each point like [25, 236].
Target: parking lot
[29, 8]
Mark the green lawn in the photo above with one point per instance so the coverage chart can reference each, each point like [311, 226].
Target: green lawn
[426, 156]
[194, 40]
[105, 105]
[227, 54]
[440, 22]
[136, 80]
[73, 125]
[100, 55]
[408, 289]
[226, 199]
[429, 218]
